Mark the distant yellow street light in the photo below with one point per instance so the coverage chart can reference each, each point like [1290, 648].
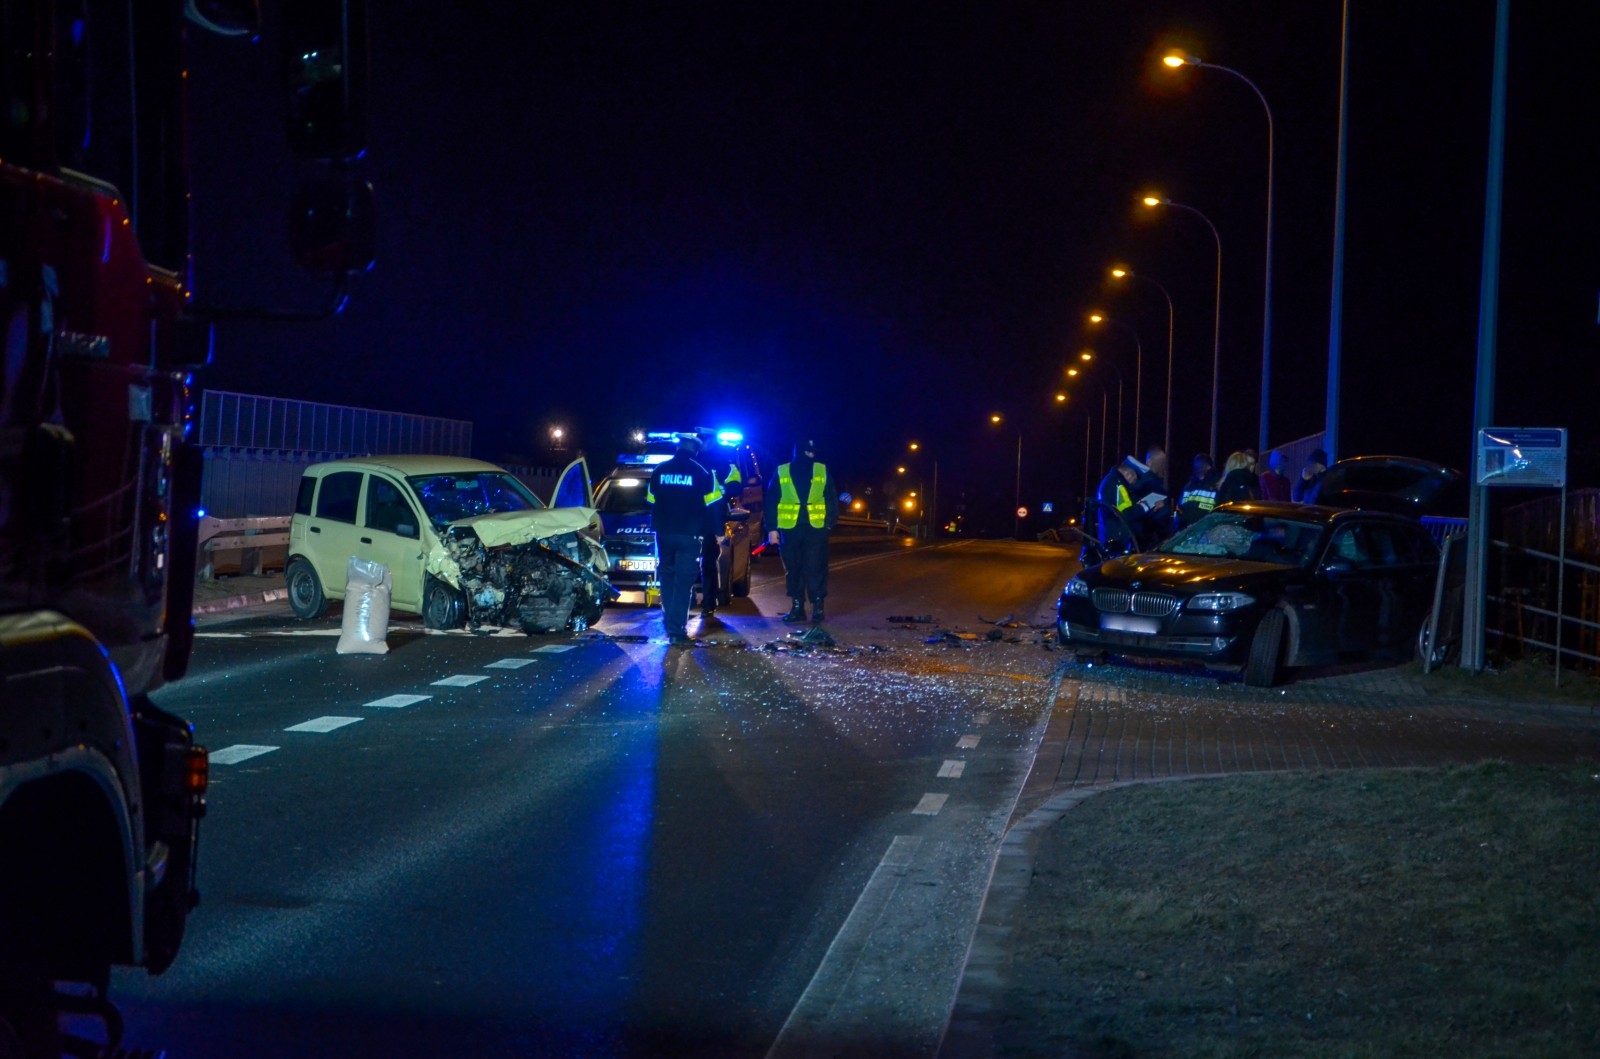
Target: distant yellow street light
[1175, 60]
[1216, 313]
[1118, 272]
[1098, 318]
[1061, 398]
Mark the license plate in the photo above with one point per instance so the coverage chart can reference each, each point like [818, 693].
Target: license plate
[1130, 623]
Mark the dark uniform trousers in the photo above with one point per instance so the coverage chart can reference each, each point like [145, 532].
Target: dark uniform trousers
[678, 556]
[805, 562]
[710, 581]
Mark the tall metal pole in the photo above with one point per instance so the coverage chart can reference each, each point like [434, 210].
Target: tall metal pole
[1476, 592]
[1216, 314]
[1016, 508]
[1266, 309]
[1088, 434]
[1104, 415]
[1166, 437]
[1330, 420]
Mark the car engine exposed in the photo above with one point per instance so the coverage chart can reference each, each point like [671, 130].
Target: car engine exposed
[539, 587]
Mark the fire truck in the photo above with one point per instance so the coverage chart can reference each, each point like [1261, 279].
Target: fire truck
[101, 792]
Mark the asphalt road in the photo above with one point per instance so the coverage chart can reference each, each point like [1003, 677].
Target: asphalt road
[502, 845]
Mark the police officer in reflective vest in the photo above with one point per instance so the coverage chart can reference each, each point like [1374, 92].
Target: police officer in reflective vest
[728, 484]
[802, 506]
[680, 490]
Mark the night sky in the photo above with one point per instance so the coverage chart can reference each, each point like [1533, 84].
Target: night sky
[879, 222]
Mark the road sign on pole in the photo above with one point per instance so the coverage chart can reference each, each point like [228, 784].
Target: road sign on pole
[1534, 456]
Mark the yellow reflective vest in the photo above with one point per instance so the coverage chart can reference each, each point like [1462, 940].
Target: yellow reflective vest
[789, 498]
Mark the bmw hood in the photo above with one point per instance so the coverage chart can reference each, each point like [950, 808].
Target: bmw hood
[1179, 573]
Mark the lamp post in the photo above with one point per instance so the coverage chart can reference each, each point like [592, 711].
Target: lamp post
[1016, 506]
[1177, 61]
[1216, 313]
[1138, 375]
[1126, 273]
[930, 507]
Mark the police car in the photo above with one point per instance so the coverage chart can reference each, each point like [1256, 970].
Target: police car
[620, 499]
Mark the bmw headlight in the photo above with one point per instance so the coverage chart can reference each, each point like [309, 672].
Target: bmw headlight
[1078, 588]
[1219, 601]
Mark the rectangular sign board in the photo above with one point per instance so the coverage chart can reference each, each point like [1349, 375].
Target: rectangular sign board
[1528, 456]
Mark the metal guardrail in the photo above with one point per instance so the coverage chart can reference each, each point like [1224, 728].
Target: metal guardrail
[246, 535]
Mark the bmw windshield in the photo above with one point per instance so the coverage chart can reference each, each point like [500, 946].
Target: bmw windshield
[1250, 537]
[449, 498]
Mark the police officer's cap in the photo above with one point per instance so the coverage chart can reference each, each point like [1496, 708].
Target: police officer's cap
[688, 443]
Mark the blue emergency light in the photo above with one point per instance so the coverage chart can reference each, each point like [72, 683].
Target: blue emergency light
[729, 437]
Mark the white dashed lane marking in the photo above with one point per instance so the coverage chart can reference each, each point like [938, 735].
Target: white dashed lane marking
[952, 770]
[983, 718]
[322, 724]
[462, 680]
[930, 805]
[552, 648]
[232, 755]
[510, 663]
[395, 702]
[967, 742]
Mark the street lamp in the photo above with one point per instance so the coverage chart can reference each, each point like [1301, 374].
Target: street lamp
[1126, 273]
[1016, 506]
[930, 504]
[1177, 61]
[1088, 355]
[1138, 374]
[1216, 314]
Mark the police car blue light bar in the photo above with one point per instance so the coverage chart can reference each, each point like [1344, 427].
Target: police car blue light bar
[730, 437]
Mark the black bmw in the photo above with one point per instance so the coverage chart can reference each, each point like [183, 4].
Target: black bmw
[1261, 586]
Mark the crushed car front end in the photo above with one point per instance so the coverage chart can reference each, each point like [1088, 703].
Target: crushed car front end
[542, 571]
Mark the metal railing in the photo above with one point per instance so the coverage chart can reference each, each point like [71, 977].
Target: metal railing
[244, 535]
[250, 421]
[1518, 602]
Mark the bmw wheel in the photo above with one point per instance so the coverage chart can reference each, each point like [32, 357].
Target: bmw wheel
[1262, 668]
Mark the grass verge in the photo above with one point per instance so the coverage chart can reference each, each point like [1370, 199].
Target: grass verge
[1371, 913]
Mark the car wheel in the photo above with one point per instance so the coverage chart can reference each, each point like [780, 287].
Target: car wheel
[1262, 668]
[305, 591]
[1440, 653]
[441, 606]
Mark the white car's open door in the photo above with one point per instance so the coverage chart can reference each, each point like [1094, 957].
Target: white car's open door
[574, 487]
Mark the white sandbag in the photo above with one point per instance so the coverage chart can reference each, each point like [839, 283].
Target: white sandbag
[367, 587]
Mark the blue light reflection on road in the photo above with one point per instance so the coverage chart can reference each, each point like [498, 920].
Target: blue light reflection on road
[608, 872]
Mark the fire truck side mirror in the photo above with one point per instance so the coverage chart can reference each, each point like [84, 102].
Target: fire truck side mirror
[333, 224]
[325, 77]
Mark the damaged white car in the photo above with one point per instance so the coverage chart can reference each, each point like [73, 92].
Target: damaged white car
[466, 542]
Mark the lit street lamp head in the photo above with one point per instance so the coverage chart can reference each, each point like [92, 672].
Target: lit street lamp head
[1180, 59]
[1156, 200]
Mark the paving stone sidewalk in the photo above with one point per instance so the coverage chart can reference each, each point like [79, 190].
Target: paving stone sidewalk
[1115, 725]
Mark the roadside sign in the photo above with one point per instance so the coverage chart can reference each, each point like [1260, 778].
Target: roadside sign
[845, 498]
[1527, 456]
[1022, 512]
[1046, 508]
